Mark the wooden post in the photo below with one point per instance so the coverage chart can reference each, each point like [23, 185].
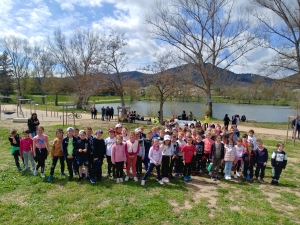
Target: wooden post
[63, 116]
[46, 105]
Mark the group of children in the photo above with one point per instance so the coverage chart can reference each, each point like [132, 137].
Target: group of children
[187, 151]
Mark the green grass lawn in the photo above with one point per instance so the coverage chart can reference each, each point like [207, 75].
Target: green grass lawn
[28, 199]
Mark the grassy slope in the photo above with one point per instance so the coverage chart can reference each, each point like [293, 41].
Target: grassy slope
[25, 199]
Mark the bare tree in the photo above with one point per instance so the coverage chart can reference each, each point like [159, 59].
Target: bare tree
[206, 34]
[18, 50]
[132, 88]
[80, 56]
[280, 28]
[114, 63]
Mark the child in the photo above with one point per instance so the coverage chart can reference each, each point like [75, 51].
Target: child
[189, 151]
[244, 140]
[238, 162]
[216, 156]
[118, 157]
[132, 149]
[208, 142]
[229, 156]
[26, 150]
[252, 139]
[57, 154]
[174, 146]
[178, 157]
[167, 154]
[82, 151]
[155, 156]
[147, 143]
[109, 143]
[98, 156]
[262, 159]
[197, 167]
[279, 161]
[249, 158]
[141, 155]
[41, 149]
[14, 140]
[154, 132]
[124, 134]
[68, 145]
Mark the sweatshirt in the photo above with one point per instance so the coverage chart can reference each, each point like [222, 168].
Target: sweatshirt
[229, 153]
[109, 143]
[249, 158]
[57, 148]
[26, 145]
[99, 148]
[279, 159]
[199, 147]
[262, 156]
[167, 150]
[82, 144]
[239, 151]
[207, 145]
[155, 155]
[118, 153]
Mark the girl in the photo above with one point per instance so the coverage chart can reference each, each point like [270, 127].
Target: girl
[14, 140]
[189, 151]
[208, 142]
[238, 162]
[249, 158]
[216, 156]
[132, 149]
[178, 157]
[279, 161]
[32, 124]
[147, 144]
[57, 154]
[155, 156]
[26, 150]
[41, 149]
[109, 143]
[229, 156]
[262, 159]
[124, 134]
[167, 154]
[199, 153]
[118, 157]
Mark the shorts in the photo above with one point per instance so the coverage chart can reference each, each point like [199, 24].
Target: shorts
[82, 160]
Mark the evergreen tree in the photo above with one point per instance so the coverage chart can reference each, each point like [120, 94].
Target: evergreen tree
[6, 81]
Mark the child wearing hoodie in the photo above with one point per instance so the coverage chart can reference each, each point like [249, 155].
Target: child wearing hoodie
[118, 157]
[262, 159]
[249, 158]
[279, 161]
[229, 156]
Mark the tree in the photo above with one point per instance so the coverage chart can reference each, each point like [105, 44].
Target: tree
[6, 82]
[18, 50]
[163, 78]
[114, 63]
[206, 35]
[80, 56]
[280, 28]
[132, 88]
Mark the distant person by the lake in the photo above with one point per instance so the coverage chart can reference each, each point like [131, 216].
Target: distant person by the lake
[243, 118]
[183, 116]
[95, 113]
[92, 112]
[102, 113]
[296, 127]
[107, 113]
[32, 124]
[191, 116]
[226, 121]
[112, 111]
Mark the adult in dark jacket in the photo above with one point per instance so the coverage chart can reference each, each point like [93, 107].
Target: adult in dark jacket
[32, 124]
[226, 121]
[112, 111]
[102, 113]
[107, 113]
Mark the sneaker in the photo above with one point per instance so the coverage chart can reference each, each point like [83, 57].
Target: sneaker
[229, 177]
[193, 173]
[63, 174]
[135, 179]
[237, 173]
[218, 178]
[160, 182]
[118, 180]
[226, 178]
[200, 171]
[165, 180]
[185, 178]
[126, 178]
[50, 178]
[19, 169]
[35, 172]
[79, 179]
[235, 176]
[276, 183]
[92, 180]
[42, 175]
[261, 181]
[121, 180]
[213, 178]
[143, 182]
[272, 182]
[189, 178]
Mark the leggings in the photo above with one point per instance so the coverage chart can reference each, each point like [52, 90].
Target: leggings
[139, 164]
[54, 162]
[110, 167]
[119, 169]
[166, 164]
[260, 168]
[41, 155]
[179, 164]
[16, 155]
[237, 164]
[70, 164]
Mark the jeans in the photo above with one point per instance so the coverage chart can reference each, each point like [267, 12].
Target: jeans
[146, 161]
[246, 168]
[260, 168]
[70, 168]
[152, 165]
[216, 166]
[228, 166]
[131, 162]
[33, 134]
[54, 162]
[27, 156]
[97, 169]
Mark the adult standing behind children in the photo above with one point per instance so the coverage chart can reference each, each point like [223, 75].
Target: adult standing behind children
[226, 121]
[32, 124]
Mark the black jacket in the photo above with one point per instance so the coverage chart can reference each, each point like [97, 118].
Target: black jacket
[17, 140]
[279, 159]
[65, 143]
[82, 144]
[249, 158]
[31, 125]
[99, 148]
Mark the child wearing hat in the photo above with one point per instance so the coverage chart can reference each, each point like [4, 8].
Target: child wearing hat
[109, 143]
[167, 154]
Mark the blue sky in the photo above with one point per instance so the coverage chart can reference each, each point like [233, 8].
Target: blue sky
[37, 19]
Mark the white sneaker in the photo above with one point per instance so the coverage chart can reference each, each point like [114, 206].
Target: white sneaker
[237, 173]
[143, 182]
[160, 182]
[126, 178]
[235, 176]
[121, 180]
[118, 180]
[209, 173]
[135, 179]
[229, 177]
[35, 172]
[42, 175]
[165, 180]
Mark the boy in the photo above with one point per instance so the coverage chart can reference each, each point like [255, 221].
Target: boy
[109, 143]
[147, 144]
[154, 132]
[68, 146]
[199, 153]
[188, 152]
[179, 154]
[262, 159]
[141, 154]
[14, 140]
[26, 150]
[279, 161]
[252, 139]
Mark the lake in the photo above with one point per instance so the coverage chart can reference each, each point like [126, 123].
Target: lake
[260, 113]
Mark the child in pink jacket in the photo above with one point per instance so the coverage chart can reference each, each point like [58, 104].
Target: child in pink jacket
[229, 157]
[118, 157]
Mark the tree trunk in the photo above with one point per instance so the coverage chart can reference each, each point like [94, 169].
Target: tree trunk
[43, 99]
[56, 99]
[161, 115]
[209, 110]
[122, 99]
